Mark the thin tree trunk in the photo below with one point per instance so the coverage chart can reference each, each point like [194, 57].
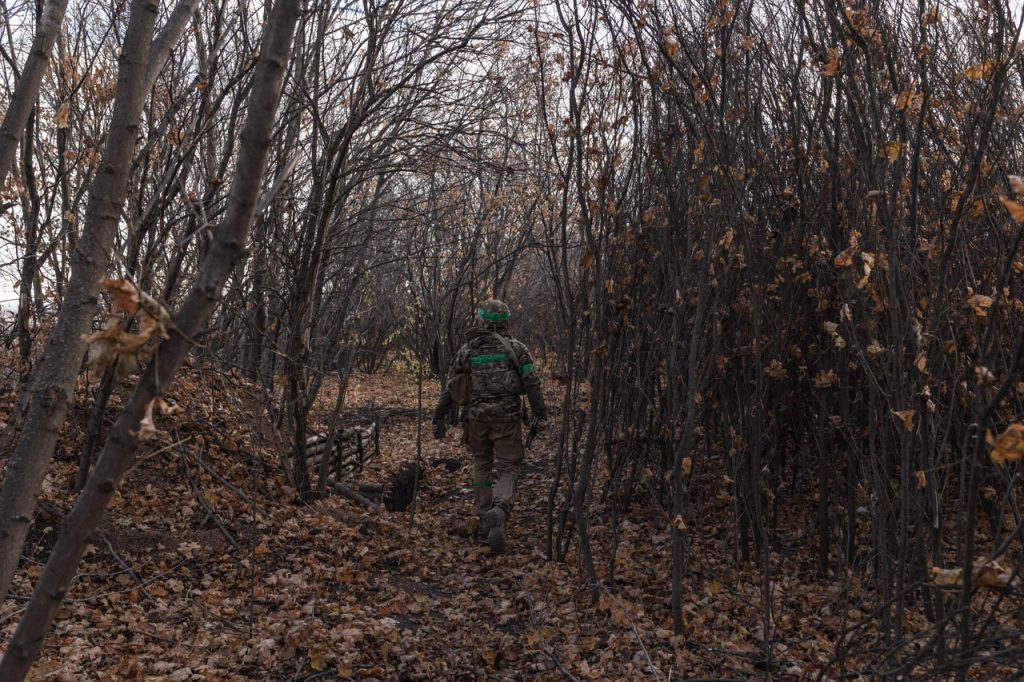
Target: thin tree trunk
[119, 451]
[167, 38]
[30, 255]
[27, 88]
[53, 382]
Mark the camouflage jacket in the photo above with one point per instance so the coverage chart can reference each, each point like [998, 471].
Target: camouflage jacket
[490, 368]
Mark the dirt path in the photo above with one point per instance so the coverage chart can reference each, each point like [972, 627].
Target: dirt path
[463, 613]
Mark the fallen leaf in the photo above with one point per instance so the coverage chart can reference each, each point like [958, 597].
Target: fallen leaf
[984, 573]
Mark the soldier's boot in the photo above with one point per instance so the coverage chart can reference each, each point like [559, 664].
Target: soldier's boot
[493, 523]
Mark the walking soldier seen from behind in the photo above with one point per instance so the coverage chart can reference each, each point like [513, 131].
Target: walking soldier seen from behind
[488, 376]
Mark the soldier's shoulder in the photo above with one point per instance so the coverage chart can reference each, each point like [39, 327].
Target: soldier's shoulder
[462, 352]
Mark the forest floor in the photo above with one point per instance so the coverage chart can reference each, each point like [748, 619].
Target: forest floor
[206, 568]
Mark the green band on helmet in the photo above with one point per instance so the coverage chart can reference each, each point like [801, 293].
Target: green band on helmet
[480, 484]
[484, 359]
[492, 317]
[526, 369]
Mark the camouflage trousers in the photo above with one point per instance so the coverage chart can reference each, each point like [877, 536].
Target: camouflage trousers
[497, 459]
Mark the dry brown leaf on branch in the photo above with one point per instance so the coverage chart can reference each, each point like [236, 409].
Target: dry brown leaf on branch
[981, 69]
[671, 46]
[980, 303]
[147, 427]
[124, 296]
[110, 342]
[128, 298]
[905, 416]
[1007, 446]
[831, 67]
[1016, 184]
[909, 100]
[844, 258]
[62, 115]
[893, 150]
[113, 341]
[825, 379]
[1016, 210]
[921, 363]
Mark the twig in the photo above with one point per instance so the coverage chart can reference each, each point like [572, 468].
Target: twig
[128, 569]
[278, 183]
[206, 505]
[162, 450]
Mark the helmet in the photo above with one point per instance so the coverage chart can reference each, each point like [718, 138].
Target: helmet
[492, 314]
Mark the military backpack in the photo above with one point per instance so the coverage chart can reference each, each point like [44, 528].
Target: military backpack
[459, 384]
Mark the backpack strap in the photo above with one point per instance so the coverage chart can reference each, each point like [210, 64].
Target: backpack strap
[508, 348]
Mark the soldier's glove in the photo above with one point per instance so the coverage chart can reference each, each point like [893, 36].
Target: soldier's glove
[439, 428]
[542, 423]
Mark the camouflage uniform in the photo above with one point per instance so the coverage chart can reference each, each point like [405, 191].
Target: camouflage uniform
[500, 369]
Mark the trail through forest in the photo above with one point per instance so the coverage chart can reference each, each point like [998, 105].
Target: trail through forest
[209, 568]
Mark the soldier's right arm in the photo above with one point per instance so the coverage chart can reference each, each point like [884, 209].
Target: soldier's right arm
[444, 404]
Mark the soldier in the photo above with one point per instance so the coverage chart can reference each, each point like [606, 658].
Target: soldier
[488, 375]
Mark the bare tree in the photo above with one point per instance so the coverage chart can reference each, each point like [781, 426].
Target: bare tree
[225, 250]
[55, 374]
[19, 108]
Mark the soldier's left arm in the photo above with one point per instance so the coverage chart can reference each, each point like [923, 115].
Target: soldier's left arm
[531, 383]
